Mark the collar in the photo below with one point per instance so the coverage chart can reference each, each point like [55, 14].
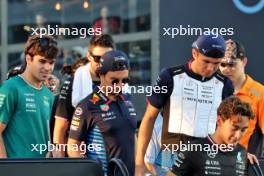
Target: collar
[210, 139]
[105, 98]
[194, 75]
[247, 86]
[36, 88]
[219, 146]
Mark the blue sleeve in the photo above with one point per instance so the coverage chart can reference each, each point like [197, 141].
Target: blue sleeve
[162, 89]
[228, 89]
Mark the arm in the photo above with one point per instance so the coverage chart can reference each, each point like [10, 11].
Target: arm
[154, 147]
[63, 115]
[156, 101]
[252, 159]
[59, 134]
[8, 100]
[170, 174]
[2, 145]
[78, 130]
[74, 151]
[144, 136]
[151, 168]
[260, 114]
[76, 86]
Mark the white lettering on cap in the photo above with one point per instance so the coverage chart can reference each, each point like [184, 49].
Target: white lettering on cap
[217, 46]
[117, 58]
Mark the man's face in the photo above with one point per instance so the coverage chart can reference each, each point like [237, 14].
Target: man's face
[113, 81]
[40, 67]
[53, 84]
[94, 56]
[232, 129]
[203, 65]
[233, 71]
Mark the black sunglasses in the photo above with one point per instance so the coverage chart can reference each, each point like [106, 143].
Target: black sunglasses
[44, 42]
[227, 64]
[120, 65]
[96, 58]
[116, 81]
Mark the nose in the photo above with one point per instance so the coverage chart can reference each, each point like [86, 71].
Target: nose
[48, 66]
[211, 67]
[238, 134]
[118, 87]
[225, 70]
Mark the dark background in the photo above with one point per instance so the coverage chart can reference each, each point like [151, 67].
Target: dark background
[248, 29]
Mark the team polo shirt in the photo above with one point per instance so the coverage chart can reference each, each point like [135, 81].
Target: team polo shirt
[210, 161]
[251, 92]
[64, 107]
[108, 125]
[189, 102]
[26, 112]
[260, 113]
[255, 145]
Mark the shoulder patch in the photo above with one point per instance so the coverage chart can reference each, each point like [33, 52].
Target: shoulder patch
[104, 107]
[95, 98]
[78, 111]
[176, 70]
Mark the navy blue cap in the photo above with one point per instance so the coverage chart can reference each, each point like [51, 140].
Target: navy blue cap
[113, 61]
[211, 45]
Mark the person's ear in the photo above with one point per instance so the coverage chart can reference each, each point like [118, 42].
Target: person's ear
[88, 56]
[245, 60]
[195, 53]
[219, 121]
[29, 59]
[102, 79]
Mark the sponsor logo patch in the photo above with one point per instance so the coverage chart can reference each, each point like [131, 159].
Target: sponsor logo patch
[78, 111]
[95, 98]
[104, 107]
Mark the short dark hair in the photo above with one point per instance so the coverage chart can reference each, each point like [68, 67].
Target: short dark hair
[233, 105]
[15, 71]
[103, 40]
[235, 48]
[70, 69]
[45, 46]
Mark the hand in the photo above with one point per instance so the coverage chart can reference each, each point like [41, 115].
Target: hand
[140, 170]
[252, 158]
[58, 154]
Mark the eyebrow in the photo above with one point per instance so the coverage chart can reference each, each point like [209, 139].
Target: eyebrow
[119, 78]
[238, 127]
[211, 61]
[47, 60]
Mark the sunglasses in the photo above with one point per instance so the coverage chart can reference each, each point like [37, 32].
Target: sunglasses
[44, 42]
[227, 64]
[96, 58]
[116, 81]
[120, 65]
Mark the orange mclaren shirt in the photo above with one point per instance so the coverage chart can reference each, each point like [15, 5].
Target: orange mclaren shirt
[251, 92]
